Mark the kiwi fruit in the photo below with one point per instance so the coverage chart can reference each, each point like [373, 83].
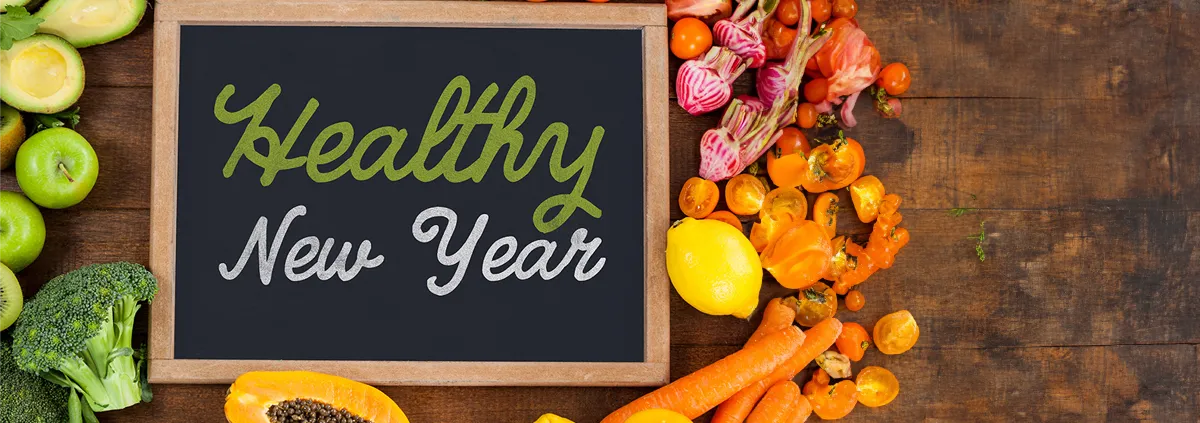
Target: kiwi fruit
[11, 300]
[12, 134]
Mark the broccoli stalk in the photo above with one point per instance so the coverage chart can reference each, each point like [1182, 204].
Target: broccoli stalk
[77, 332]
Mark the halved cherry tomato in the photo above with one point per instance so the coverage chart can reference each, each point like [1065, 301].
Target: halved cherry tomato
[690, 37]
[821, 10]
[896, 333]
[813, 304]
[886, 239]
[782, 207]
[894, 78]
[786, 162]
[855, 300]
[799, 256]
[845, 8]
[816, 90]
[727, 217]
[834, 402]
[698, 197]
[834, 165]
[866, 193]
[825, 210]
[806, 115]
[876, 386]
[853, 341]
[788, 12]
[744, 194]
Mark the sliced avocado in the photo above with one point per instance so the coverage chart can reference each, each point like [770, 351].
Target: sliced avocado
[12, 134]
[41, 74]
[90, 22]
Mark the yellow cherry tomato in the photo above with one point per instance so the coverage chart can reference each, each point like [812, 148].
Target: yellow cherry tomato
[876, 386]
[896, 332]
[551, 418]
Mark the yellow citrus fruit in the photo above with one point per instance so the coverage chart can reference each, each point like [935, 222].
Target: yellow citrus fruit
[713, 267]
[551, 418]
[658, 416]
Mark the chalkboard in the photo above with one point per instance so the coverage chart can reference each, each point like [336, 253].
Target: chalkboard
[411, 202]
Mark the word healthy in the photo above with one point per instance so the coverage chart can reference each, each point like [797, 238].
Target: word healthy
[309, 256]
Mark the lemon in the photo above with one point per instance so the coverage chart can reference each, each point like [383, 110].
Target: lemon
[713, 267]
[551, 418]
[658, 416]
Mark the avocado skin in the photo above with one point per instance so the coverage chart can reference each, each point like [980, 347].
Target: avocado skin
[77, 36]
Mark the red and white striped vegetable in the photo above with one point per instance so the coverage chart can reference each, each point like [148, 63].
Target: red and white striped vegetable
[742, 32]
[705, 84]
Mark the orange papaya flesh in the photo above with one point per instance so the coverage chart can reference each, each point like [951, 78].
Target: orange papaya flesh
[274, 397]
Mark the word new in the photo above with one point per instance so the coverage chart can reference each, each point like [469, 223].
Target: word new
[498, 262]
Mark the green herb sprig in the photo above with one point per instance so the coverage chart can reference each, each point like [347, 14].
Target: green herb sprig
[15, 25]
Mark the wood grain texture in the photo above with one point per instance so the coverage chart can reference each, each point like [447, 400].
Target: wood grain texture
[1073, 123]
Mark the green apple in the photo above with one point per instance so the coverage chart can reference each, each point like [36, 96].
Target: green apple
[22, 231]
[57, 168]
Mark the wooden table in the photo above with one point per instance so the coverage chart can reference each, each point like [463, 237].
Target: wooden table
[1074, 128]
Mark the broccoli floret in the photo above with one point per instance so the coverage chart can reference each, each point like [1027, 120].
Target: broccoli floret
[77, 332]
[28, 398]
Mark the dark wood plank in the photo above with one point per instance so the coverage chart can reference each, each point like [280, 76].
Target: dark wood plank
[127, 62]
[1152, 383]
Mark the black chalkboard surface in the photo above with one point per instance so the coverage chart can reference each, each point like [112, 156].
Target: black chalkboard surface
[383, 194]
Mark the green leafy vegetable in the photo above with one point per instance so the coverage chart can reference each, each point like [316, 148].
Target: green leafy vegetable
[77, 330]
[26, 397]
[15, 25]
[68, 118]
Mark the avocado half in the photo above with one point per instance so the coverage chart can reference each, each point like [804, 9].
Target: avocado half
[90, 22]
[41, 74]
[12, 134]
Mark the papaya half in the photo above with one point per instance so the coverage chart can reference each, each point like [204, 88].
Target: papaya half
[279, 397]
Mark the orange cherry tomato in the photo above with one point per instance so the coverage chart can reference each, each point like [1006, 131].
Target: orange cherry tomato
[825, 210]
[744, 194]
[782, 207]
[821, 10]
[866, 193]
[788, 12]
[786, 163]
[806, 115]
[819, 379]
[845, 8]
[877, 386]
[698, 197]
[886, 239]
[842, 262]
[727, 217]
[799, 256]
[855, 300]
[598, 1]
[896, 332]
[894, 78]
[834, 166]
[778, 39]
[834, 402]
[690, 37]
[816, 90]
[853, 341]
[813, 304]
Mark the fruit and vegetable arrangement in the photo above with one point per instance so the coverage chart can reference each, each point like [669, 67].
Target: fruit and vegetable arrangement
[69, 354]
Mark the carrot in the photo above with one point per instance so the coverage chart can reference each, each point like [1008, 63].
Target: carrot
[817, 339]
[695, 394]
[776, 316]
[778, 405]
[803, 410]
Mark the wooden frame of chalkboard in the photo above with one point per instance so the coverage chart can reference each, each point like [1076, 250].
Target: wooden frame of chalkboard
[650, 19]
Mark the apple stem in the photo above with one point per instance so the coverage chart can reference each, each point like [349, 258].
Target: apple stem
[63, 169]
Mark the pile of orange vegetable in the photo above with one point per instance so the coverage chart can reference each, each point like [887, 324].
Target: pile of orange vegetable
[799, 244]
